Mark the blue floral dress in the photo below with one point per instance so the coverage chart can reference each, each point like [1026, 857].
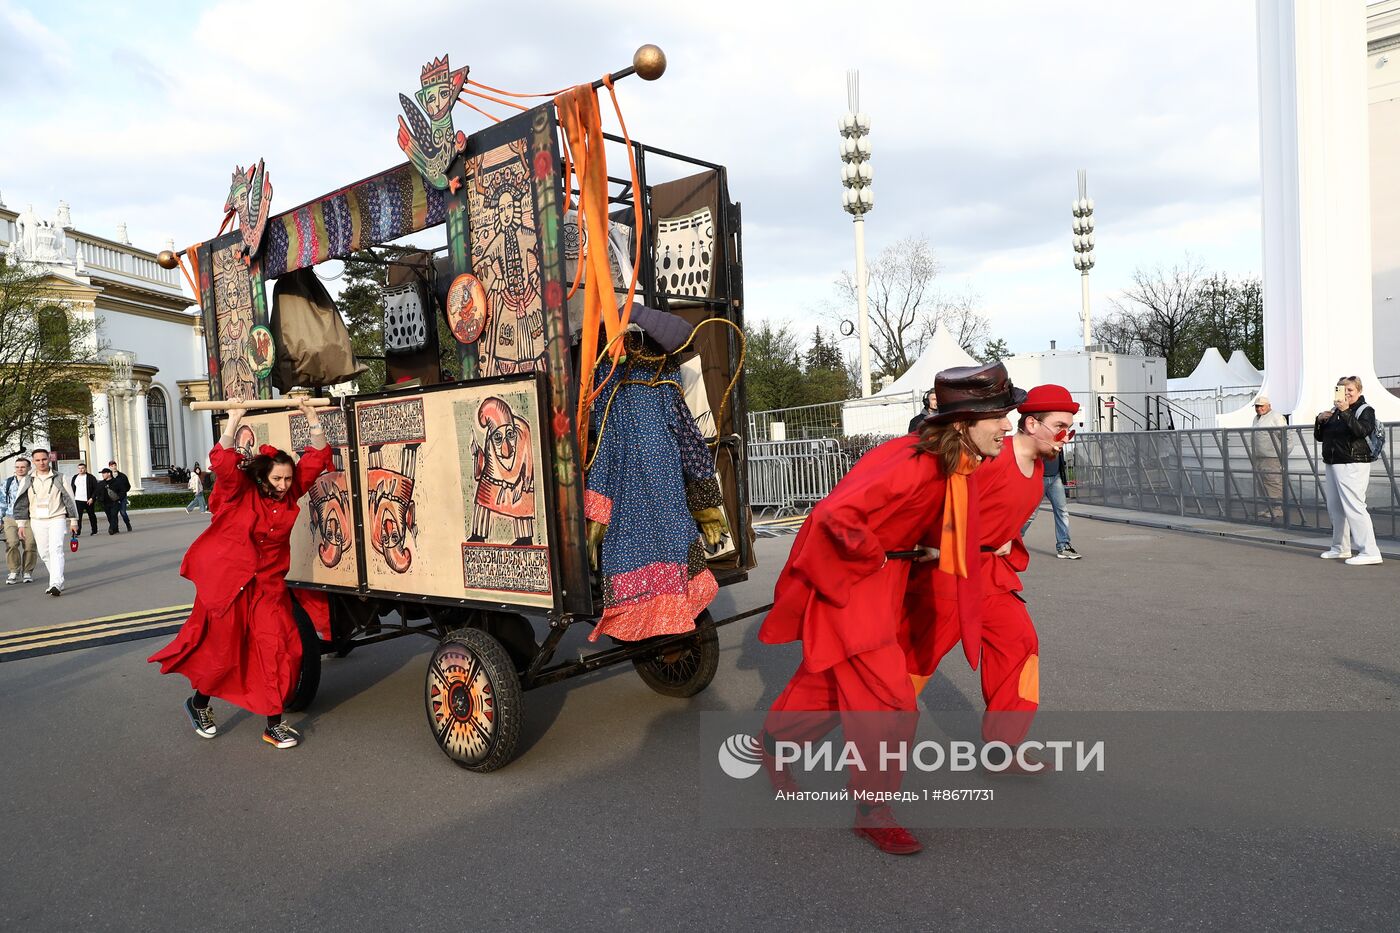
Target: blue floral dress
[652, 470]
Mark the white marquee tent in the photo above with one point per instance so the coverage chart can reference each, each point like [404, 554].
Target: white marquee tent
[1241, 364]
[889, 410]
[1211, 374]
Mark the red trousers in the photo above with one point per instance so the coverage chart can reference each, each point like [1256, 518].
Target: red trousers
[875, 687]
[1010, 666]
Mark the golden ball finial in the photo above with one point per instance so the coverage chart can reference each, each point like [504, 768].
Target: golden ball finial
[167, 259]
[650, 62]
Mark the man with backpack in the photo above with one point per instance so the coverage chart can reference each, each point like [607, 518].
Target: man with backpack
[121, 485]
[21, 553]
[1351, 440]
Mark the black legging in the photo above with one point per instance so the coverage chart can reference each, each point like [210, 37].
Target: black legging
[201, 701]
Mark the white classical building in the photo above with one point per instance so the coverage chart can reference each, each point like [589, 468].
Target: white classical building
[153, 340]
[1383, 104]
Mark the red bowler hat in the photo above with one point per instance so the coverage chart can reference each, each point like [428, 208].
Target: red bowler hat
[1048, 398]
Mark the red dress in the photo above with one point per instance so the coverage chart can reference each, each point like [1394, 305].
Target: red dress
[865, 622]
[241, 642]
[1008, 646]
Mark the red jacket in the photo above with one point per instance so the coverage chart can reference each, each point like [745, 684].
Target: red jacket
[838, 594]
[222, 559]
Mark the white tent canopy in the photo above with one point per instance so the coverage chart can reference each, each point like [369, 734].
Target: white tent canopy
[941, 353]
[1211, 373]
[889, 410]
[1241, 364]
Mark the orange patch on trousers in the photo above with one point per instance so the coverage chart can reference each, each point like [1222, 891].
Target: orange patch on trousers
[1029, 688]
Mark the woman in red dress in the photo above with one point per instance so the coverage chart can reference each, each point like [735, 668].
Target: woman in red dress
[241, 642]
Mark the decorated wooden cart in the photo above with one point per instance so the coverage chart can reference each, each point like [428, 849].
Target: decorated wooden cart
[457, 506]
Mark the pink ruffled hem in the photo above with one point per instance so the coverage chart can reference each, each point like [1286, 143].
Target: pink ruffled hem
[663, 614]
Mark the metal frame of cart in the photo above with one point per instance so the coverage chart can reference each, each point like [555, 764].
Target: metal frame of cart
[488, 652]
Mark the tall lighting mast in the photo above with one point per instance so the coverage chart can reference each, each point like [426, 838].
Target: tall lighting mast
[1083, 210]
[858, 200]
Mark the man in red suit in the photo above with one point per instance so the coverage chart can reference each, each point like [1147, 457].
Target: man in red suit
[1009, 489]
[858, 603]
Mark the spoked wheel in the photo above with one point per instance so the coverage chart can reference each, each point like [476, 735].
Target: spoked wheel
[683, 668]
[472, 695]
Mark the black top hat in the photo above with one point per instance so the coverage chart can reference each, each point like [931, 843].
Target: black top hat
[971, 393]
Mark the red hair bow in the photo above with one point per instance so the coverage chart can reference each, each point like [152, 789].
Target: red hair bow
[267, 450]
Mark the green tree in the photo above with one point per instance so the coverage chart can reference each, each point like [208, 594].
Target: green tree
[364, 317]
[773, 370]
[993, 351]
[47, 355]
[359, 302]
[823, 354]
[826, 378]
[1179, 313]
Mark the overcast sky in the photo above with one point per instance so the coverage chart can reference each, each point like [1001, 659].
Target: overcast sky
[981, 114]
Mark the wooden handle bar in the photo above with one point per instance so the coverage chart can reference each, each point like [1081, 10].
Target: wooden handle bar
[260, 404]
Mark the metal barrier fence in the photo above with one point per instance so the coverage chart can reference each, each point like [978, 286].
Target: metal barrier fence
[836, 419]
[787, 477]
[1257, 476]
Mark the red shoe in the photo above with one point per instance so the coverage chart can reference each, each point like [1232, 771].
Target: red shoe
[879, 826]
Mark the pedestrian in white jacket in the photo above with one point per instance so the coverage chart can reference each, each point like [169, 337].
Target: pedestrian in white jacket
[44, 507]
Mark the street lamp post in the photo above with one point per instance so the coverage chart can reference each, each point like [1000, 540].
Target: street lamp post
[858, 199]
[1083, 210]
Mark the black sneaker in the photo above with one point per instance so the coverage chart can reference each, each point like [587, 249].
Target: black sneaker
[201, 719]
[54, 591]
[1067, 553]
[281, 736]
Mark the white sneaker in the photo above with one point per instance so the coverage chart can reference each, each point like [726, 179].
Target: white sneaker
[1364, 560]
[1334, 554]
[29, 578]
[12, 579]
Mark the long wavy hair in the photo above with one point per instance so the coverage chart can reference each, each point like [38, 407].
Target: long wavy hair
[947, 442]
[259, 467]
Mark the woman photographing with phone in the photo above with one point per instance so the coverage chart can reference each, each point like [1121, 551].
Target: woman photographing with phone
[1344, 430]
[241, 643]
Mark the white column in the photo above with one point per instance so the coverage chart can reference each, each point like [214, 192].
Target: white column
[102, 428]
[1315, 168]
[140, 441]
[862, 307]
[121, 433]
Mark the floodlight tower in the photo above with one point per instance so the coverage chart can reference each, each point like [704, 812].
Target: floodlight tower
[1083, 210]
[858, 199]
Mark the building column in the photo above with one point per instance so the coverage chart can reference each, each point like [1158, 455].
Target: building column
[1315, 168]
[102, 429]
[140, 440]
[121, 432]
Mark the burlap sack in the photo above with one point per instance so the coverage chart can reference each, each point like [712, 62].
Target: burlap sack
[313, 346]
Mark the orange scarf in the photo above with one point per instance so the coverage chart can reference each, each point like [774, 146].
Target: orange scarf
[952, 544]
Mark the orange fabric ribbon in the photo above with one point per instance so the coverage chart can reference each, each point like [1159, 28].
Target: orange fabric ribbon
[952, 544]
[583, 127]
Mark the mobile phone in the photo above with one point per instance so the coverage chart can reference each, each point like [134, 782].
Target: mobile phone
[1339, 395]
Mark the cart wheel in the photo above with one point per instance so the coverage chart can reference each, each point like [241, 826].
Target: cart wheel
[309, 679]
[472, 695]
[684, 668]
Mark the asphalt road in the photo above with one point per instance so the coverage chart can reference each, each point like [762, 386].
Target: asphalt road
[117, 817]
[109, 574]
